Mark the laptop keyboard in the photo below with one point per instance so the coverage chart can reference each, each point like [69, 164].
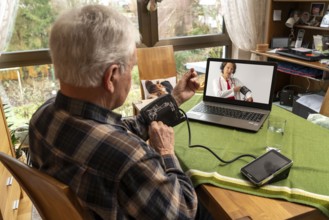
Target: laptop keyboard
[232, 113]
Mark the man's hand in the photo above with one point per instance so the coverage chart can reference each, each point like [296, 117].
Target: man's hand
[186, 87]
[161, 138]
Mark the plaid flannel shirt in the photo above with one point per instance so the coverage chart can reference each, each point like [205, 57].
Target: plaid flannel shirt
[107, 163]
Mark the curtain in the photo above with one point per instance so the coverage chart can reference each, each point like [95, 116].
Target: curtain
[8, 9]
[245, 22]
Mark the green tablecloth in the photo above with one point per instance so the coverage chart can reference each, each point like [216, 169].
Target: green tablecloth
[306, 144]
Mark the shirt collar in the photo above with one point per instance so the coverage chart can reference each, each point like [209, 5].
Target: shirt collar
[86, 110]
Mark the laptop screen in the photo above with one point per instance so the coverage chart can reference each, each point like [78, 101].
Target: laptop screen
[240, 82]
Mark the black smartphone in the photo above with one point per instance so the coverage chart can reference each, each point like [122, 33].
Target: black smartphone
[267, 167]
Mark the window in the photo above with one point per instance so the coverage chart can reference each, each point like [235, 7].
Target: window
[186, 59]
[34, 19]
[189, 18]
[24, 89]
[194, 28]
[184, 24]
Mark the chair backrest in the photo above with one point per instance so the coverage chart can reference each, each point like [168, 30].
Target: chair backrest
[53, 199]
[156, 63]
[324, 110]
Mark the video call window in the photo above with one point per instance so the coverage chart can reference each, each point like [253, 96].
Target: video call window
[256, 77]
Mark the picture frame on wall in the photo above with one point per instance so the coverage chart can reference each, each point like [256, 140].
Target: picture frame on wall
[317, 9]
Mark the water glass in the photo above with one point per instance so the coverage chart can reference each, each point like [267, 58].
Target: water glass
[275, 133]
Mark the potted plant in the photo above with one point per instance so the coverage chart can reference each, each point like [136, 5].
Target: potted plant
[19, 136]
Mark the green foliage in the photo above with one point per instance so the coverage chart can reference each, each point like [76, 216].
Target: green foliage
[35, 86]
[201, 26]
[127, 108]
[183, 57]
[34, 18]
[16, 143]
[134, 95]
[215, 52]
[8, 115]
[199, 29]
[135, 75]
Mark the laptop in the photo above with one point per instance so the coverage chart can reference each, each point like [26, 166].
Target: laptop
[258, 77]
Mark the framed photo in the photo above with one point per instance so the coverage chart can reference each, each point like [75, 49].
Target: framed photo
[317, 9]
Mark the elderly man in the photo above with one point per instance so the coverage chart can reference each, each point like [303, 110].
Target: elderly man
[78, 139]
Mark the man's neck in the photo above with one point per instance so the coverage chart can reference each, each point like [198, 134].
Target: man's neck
[95, 95]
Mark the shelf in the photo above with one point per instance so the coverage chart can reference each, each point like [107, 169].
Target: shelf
[304, 76]
[315, 64]
[300, 0]
[315, 76]
[312, 27]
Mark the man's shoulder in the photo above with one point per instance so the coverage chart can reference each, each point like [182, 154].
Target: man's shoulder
[46, 106]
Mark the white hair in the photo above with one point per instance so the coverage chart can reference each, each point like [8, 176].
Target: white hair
[85, 41]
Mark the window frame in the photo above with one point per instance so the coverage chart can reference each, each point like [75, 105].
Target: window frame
[148, 27]
[25, 58]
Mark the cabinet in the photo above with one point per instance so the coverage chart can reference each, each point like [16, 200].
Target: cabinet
[12, 195]
[278, 29]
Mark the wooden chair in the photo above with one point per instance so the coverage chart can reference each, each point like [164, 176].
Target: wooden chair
[324, 110]
[52, 199]
[155, 63]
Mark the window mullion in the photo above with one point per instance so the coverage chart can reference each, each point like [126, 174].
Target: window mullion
[25, 58]
[148, 25]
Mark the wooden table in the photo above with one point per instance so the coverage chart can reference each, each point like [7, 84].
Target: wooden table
[245, 202]
[228, 204]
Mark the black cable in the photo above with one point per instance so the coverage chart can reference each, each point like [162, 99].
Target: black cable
[207, 148]
[292, 86]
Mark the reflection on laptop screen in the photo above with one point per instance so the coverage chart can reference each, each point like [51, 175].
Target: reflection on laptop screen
[239, 81]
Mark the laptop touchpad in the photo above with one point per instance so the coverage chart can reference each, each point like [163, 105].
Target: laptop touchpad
[213, 118]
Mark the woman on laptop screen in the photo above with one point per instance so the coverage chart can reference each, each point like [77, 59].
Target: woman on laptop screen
[230, 87]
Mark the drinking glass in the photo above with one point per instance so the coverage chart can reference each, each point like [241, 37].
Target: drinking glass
[275, 133]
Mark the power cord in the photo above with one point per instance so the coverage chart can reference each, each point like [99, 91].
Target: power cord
[207, 148]
[295, 86]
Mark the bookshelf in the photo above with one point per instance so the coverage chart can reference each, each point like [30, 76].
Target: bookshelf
[277, 29]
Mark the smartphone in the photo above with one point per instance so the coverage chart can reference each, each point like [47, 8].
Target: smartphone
[299, 39]
[267, 167]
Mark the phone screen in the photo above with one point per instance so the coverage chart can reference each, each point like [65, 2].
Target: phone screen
[265, 166]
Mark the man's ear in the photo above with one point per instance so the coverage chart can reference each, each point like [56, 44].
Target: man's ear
[109, 77]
